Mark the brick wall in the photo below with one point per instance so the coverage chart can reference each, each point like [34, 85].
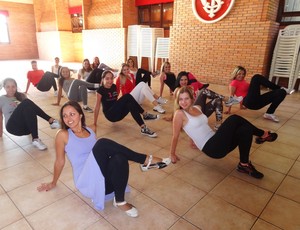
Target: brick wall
[211, 51]
[104, 14]
[21, 24]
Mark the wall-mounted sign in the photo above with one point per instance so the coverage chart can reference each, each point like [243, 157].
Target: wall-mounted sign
[210, 11]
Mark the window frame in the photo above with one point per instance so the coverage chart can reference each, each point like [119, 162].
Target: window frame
[4, 24]
[150, 23]
[282, 14]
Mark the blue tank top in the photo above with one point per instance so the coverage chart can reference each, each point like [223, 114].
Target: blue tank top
[88, 177]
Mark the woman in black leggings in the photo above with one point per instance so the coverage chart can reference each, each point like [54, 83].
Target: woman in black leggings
[115, 109]
[21, 114]
[100, 167]
[234, 132]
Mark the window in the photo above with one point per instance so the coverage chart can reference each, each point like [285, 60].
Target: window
[157, 15]
[289, 12]
[4, 36]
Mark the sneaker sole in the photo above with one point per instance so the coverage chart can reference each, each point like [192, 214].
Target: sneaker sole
[157, 117]
[270, 119]
[161, 112]
[152, 136]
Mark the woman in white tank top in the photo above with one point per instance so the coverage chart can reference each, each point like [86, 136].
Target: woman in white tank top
[234, 132]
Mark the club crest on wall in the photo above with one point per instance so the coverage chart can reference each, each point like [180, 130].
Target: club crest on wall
[210, 11]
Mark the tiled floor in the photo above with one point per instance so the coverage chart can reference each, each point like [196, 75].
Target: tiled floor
[196, 193]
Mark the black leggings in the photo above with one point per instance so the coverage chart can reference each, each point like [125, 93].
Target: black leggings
[122, 107]
[234, 132]
[112, 159]
[145, 78]
[47, 82]
[23, 120]
[254, 100]
[95, 77]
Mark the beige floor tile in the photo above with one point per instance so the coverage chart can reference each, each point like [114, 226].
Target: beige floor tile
[9, 212]
[142, 180]
[21, 174]
[289, 130]
[29, 200]
[101, 224]
[7, 144]
[213, 213]
[13, 157]
[152, 215]
[19, 225]
[263, 225]
[174, 194]
[283, 213]
[226, 164]
[243, 195]
[272, 161]
[270, 181]
[201, 176]
[69, 213]
[290, 188]
[183, 224]
[281, 149]
[295, 171]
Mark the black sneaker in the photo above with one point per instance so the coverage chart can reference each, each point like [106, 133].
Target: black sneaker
[250, 170]
[270, 138]
[149, 116]
[146, 131]
[87, 109]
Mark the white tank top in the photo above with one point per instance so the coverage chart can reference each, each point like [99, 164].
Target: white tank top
[197, 129]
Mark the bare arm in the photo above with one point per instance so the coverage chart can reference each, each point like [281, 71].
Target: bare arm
[161, 78]
[60, 142]
[1, 124]
[177, 125]
[27, 86]
[232, 90]
[97, 108]
[59, 94]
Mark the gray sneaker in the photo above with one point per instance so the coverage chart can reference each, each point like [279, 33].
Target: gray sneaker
[149, 116]
[39, 144]
[233, 100]
[146, 131]
[87, 109]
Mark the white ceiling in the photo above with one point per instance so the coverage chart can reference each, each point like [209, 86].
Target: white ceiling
[19, 1]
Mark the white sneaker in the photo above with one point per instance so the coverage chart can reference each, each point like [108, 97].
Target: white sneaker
[271, 117]
[55, 93]
[159, 109]
[39, 144]
[55, 125]
[161, 100]
[233, 100]
[288, 91]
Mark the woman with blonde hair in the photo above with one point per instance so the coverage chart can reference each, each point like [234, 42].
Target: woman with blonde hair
[167, 77]
[234, 132]
[253, 99]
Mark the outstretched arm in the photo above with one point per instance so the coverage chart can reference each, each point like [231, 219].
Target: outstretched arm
[177, 125]
[97, 108]
[60, 142]
[27, 86]
[59, 95]
[1, 124]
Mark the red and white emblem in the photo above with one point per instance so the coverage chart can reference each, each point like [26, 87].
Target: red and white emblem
[210, 11]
